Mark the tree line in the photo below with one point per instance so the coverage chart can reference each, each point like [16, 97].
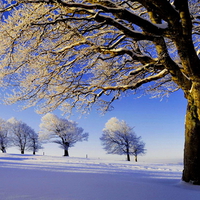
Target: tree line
[117, 138]
[16, 133]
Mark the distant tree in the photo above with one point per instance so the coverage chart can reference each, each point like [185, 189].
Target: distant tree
[62, 131]
[138, 148]
[119, 138]
[4, 136]
[34, 144]
[19, 132]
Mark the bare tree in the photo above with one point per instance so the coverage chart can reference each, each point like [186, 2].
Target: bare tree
[138, 148]
[77, 53]
[62, 131]
[4, 136]
[119, 138]
[34, 144]
[19, 133]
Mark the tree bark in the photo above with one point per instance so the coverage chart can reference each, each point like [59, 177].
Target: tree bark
[65, 147]
[66, 152]
[128, 157]
[191, 172]
[136, 158]
[3, 149]
[22, 151]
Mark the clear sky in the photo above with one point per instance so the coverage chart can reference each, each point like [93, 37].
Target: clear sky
[159, 123]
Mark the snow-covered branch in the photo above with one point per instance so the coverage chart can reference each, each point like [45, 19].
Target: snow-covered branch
[139, 83]
[75, 54]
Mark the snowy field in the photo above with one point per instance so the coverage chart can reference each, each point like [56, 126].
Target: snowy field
[28, 177]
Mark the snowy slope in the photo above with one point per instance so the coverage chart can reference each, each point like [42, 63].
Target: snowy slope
[27, 177]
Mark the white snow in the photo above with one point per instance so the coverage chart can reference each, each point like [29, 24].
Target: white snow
[28, 177]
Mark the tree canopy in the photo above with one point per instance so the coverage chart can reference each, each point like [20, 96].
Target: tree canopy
[21, 136]
[119, 138]
[71, 53]
[61, 131]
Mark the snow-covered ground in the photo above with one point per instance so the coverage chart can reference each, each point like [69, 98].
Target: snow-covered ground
[28, 177]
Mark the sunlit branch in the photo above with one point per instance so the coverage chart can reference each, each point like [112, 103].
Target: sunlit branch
[138, 84]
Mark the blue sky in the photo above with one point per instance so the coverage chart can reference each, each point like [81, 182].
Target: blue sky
[159, 123]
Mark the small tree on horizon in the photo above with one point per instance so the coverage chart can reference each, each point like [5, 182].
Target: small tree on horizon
[119, 138]
[61, 131]
[34, 144]
[138, 148]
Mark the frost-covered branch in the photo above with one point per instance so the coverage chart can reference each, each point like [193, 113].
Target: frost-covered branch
[67, 54]
[139, 83]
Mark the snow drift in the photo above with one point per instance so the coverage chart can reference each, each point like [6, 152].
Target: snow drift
[28, 177]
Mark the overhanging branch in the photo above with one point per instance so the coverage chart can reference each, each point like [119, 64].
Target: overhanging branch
[137, 84]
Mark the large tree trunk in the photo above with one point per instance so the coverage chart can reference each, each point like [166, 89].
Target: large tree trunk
[191, 172]
[22, 151]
